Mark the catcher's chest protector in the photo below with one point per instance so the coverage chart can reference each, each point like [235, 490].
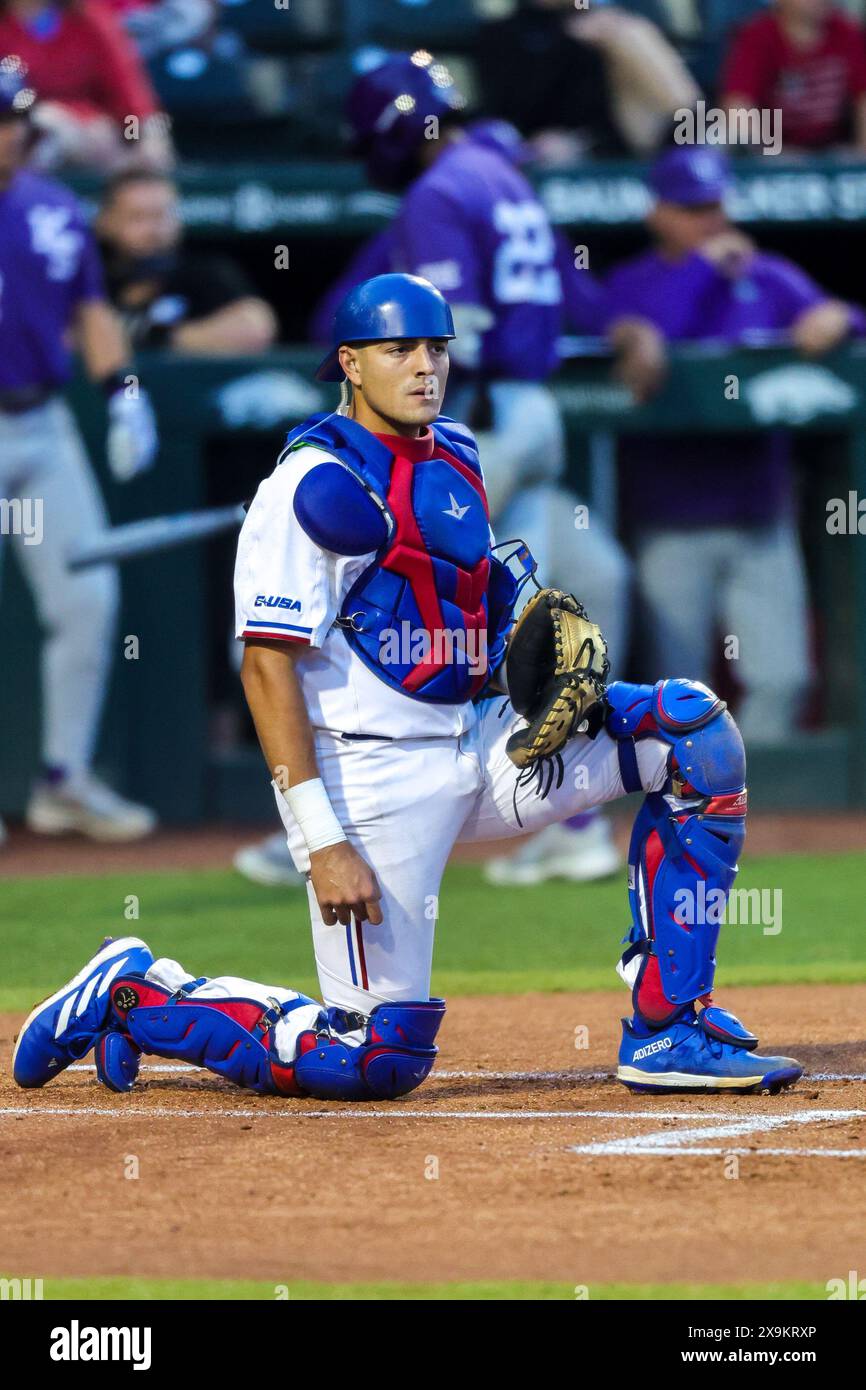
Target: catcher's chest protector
[423, 615]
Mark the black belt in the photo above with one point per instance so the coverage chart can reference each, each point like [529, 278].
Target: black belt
[367, 738]
[19, 399]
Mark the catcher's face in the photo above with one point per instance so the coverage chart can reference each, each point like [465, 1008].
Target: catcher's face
[400, 382]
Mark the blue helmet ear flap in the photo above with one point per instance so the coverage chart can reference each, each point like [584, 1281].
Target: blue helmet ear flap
[339, 512]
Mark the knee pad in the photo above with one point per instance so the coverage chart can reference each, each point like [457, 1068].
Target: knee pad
[685, 843]
[397, 1053]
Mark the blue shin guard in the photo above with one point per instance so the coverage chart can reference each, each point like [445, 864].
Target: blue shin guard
[334, 1055]
[685, 843]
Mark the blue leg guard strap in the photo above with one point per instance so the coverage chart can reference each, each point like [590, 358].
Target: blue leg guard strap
[685, 843]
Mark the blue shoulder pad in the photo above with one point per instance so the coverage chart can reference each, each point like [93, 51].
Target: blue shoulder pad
[339, 512]
[459, 440]
[355, 446]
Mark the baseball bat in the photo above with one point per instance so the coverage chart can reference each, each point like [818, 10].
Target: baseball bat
[153, 534]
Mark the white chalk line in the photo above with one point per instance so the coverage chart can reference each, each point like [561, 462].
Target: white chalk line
[744, 1153]
[361, 1112]
[689, 1139]
[657, 1144]
[177, 1068]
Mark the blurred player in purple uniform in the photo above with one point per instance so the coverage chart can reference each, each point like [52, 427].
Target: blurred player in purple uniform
[471, 223]
[714, 516]
[50, 293]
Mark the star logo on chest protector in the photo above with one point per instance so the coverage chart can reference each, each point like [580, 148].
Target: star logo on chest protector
[454, 510]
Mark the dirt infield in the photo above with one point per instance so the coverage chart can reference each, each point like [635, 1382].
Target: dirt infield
[546, 1168]
[212, 847]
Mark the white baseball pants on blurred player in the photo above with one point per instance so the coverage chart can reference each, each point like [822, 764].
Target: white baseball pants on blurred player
[43, 461]
[702, 587]
[523, 460]
[403, 806]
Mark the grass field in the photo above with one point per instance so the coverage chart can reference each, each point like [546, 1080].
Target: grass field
[171, 1290]
[553, 938]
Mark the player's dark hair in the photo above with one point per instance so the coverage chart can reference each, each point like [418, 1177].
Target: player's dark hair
[129, 178]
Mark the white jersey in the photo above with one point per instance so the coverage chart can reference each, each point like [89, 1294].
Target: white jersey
[289, 589]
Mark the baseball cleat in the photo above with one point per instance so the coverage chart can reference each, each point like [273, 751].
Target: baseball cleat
[64, 1027]
[85, 804]
[269, 862]
[558, 851]
[710, 1051]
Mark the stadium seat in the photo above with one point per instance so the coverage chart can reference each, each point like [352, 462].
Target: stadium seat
[235, 92]
[705, 53]
[283, 26]
[654, 10]
[319, 84]
[413, 23]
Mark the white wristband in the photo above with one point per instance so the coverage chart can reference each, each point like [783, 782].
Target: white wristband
[311, 807]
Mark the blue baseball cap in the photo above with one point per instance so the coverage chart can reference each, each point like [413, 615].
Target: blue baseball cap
[690, 175]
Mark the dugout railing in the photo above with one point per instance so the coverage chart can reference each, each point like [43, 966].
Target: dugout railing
[156, 742]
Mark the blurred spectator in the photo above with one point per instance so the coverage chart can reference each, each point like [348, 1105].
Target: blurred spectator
[808, 60]
[168, 296]
[97, 109]
[158, 26]
[598, 81]
[713, 516]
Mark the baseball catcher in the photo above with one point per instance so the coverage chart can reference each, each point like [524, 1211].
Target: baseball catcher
[376, 611]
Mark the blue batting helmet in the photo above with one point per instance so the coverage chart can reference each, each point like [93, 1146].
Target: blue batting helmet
[387, 307]
[389, 108]
[16, 98]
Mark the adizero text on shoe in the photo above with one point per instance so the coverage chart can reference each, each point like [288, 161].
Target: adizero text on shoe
[64, 1027]
[708, 1052]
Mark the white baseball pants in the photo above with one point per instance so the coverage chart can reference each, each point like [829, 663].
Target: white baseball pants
[404, 804]
[43, 461]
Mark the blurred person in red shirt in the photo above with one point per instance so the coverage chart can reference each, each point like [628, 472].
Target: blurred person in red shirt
[97, 109]
[807, 59]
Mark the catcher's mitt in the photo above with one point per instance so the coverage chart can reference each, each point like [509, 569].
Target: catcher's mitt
[556, 666]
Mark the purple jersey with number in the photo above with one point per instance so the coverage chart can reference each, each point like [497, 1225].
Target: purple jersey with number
[709, 479]
[48, 264]
[473, 225]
